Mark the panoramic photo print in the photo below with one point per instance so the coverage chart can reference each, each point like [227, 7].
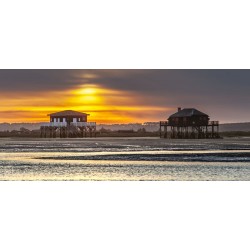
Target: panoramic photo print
[121, 124]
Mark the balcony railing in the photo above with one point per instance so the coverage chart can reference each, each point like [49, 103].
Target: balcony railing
[189, 123]
[55, 124]
[163, 123]
[213, 123]
[65, 124]
[83, 124]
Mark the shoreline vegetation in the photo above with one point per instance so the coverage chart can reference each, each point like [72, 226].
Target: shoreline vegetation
[25, 133]
[147, 129]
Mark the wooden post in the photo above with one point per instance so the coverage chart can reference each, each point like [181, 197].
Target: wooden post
[54, 132]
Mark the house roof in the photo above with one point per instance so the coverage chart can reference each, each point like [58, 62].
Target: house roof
[67, 113]
[187, 113]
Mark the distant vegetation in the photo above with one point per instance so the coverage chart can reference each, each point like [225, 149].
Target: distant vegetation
[23, 132]
[235, 134]
[147, 126]
[126, 133]
[150, 129]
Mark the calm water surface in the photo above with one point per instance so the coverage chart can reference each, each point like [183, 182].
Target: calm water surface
[124, 159]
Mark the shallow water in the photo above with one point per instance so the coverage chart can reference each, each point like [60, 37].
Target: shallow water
[124, 159]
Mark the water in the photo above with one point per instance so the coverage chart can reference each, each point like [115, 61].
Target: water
[125, 159]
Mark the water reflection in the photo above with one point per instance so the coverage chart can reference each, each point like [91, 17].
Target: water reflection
[26, 160]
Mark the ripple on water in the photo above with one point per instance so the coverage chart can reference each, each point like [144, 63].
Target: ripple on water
[133, 159]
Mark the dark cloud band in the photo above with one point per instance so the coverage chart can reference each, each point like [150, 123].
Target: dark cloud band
[217, 91]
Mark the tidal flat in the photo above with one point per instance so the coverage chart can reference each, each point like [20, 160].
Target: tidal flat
[125, 159]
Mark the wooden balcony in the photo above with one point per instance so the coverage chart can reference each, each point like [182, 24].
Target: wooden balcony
[188, 123]
[83, 124]
[213, 123]
[65, 124]
[163, 123]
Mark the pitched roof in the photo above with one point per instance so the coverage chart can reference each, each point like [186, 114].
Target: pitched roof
[68, 113]
[187, 113]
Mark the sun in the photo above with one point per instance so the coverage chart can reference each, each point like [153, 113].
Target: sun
[87, 91]
[87, 94]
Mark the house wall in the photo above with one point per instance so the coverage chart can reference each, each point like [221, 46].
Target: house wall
[189, 121]
[68, 119]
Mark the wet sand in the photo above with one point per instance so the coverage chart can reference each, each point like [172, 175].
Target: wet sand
[124, 159]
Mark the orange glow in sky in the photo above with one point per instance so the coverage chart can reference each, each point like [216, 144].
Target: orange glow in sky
[103, 105]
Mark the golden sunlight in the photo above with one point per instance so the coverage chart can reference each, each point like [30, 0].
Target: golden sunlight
[86, 94]
[104, 105]
[87, 90]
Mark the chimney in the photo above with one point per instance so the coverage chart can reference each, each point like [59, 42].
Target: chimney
[179, 109]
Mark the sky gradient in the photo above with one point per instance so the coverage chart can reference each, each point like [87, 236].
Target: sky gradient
[124, 96]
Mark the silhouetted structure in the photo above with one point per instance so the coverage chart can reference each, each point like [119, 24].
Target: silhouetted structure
[68, 123]
[189, 124]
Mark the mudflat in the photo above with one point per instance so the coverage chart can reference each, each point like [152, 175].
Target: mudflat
[124, 159]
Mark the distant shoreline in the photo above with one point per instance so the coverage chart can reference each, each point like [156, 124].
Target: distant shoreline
[147, 126]
[224, 135]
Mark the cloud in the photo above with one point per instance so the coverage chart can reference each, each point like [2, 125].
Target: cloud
[34, 80]
[176, 82]
[222, 93]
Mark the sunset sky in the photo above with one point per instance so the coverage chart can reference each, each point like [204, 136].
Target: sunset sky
[124, 96]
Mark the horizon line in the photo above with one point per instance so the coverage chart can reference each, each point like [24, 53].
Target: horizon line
[141, 123]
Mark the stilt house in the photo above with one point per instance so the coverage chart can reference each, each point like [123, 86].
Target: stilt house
[68, 123]
[189, 123]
